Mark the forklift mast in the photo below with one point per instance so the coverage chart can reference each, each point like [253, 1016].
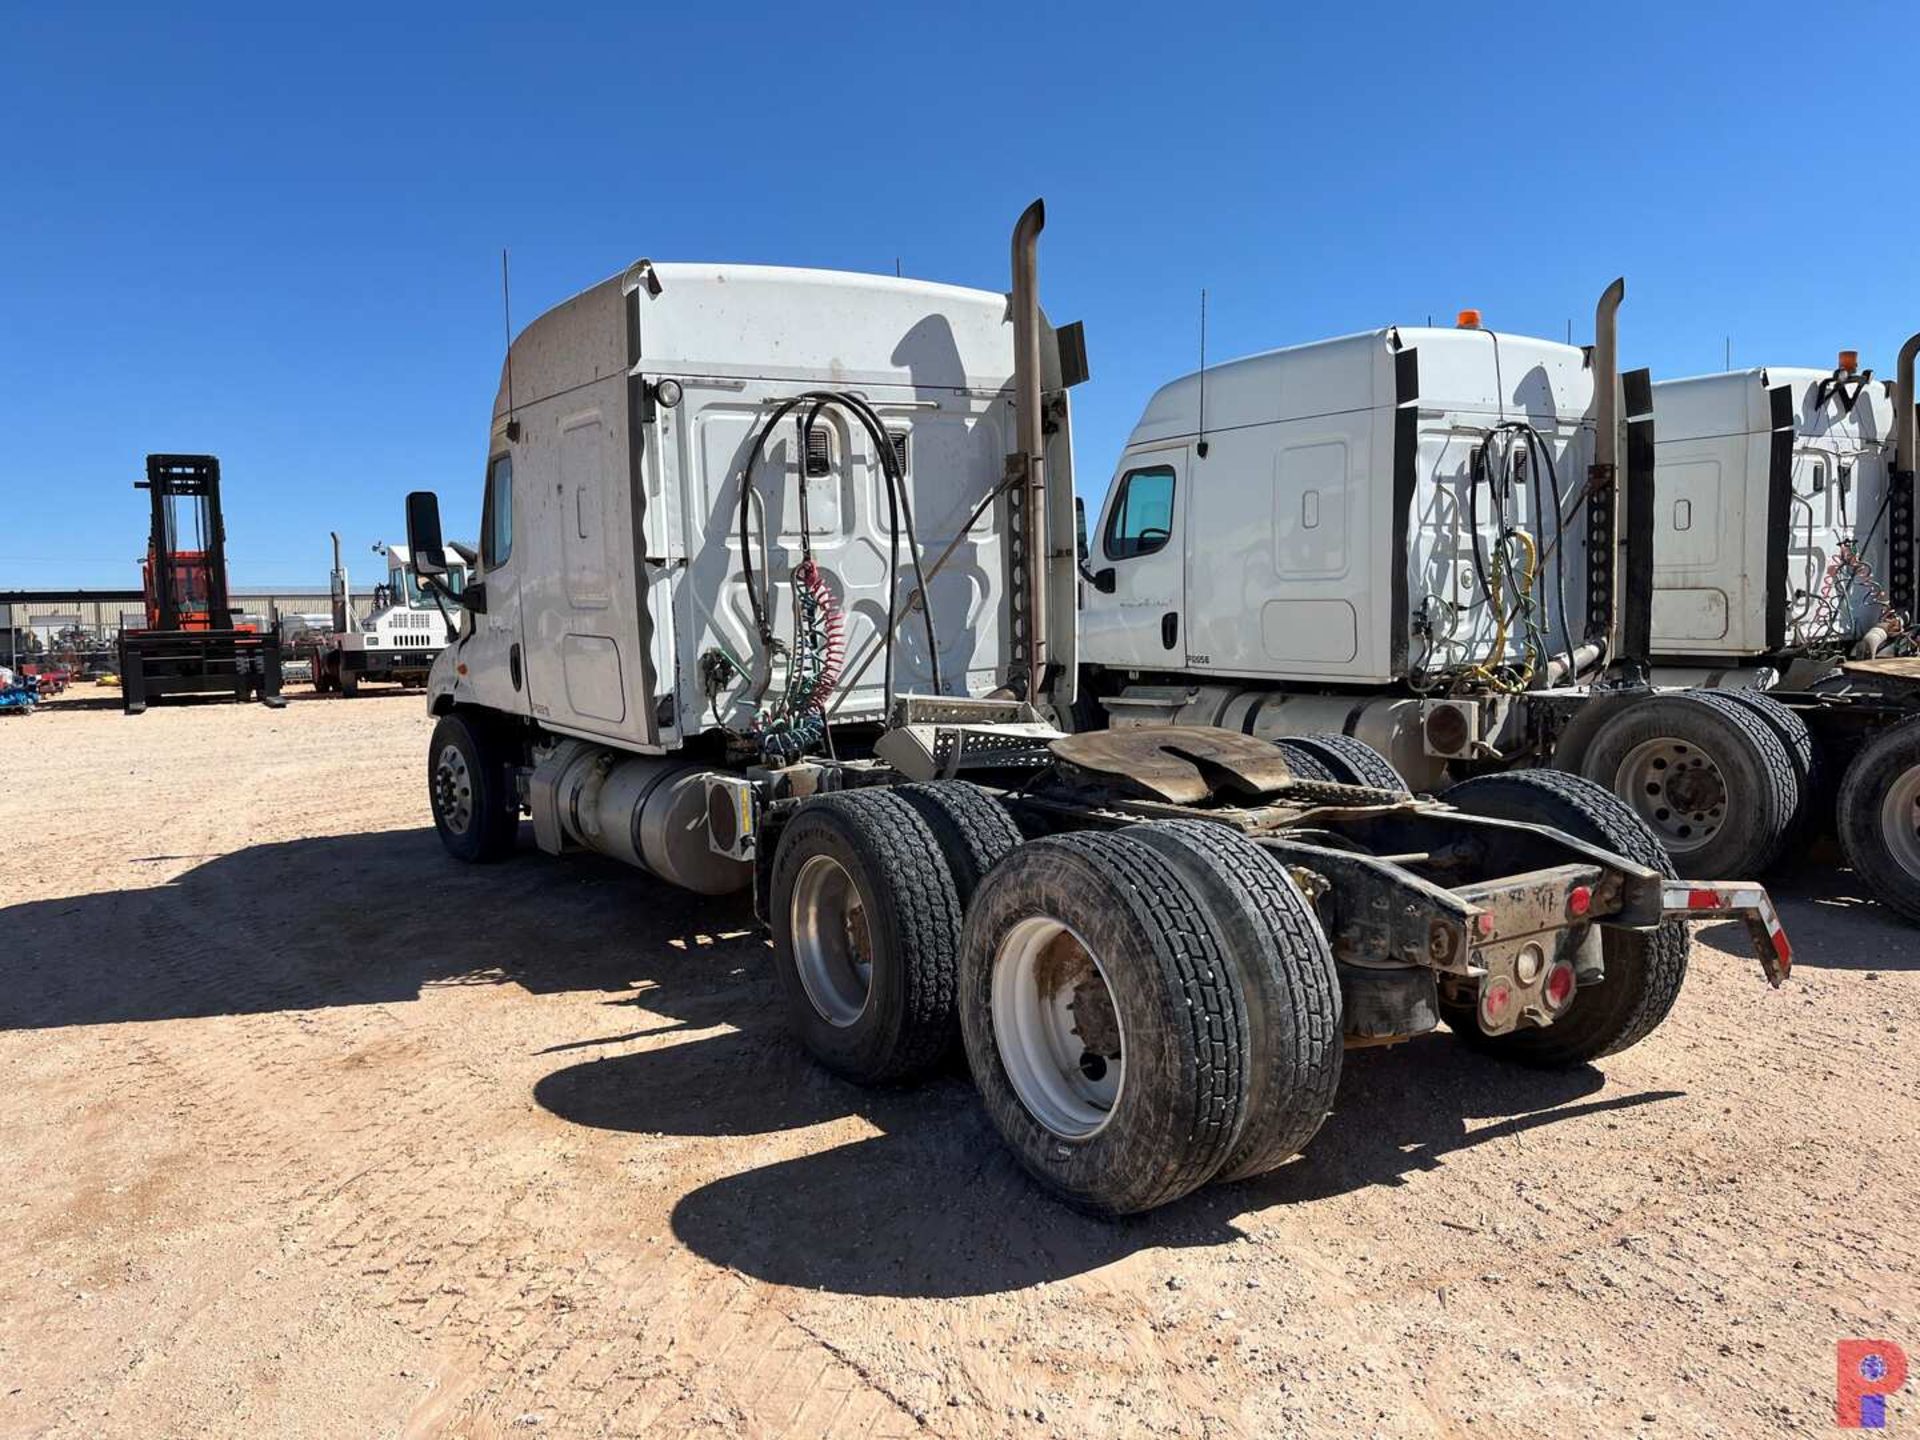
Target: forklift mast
[185, 573]
[191, 645]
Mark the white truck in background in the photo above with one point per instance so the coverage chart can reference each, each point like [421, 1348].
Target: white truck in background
[775, 589]
[1772, 525]
[1784, 565]
[403, 634]
[1422, 540]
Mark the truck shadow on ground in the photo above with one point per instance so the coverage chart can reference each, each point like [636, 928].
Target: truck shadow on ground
[1823, 898]
[923, 1209]
[363, 919]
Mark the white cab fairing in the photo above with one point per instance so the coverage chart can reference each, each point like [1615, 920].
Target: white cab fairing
[624, 587]
[1759, 477]
[1288, 538]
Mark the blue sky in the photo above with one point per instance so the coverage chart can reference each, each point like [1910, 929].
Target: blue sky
[279, 240]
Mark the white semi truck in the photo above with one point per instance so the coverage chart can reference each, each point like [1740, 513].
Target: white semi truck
[775, 589]
[1772, 524]
[1412, 536]
[1784, 562]
[406, 629]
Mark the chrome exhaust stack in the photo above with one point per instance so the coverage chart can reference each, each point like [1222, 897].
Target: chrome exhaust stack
[1903, 417]
[1606, 490]
[1026, 466]
[1901, 499]
[1606, 378]
[342, 601]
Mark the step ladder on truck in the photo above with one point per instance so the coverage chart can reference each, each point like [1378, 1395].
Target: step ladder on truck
[765, 601]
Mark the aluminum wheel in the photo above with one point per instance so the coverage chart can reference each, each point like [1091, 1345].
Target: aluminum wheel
[1900, 821]
[1057, 1028]
[832, 941]
[453, 789]
[1676, 787]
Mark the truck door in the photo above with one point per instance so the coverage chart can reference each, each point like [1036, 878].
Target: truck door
[492, 655]
[1140, 552]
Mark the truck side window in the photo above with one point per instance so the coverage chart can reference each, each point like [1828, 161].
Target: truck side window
[1141, 520]
[496, 526]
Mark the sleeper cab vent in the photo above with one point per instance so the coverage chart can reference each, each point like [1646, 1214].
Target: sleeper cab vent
[819, 452]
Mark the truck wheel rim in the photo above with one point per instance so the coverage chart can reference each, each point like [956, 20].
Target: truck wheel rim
[1057, 1028]
[453, 789]
[1678, 789]
[832, 940]
[1900, 821]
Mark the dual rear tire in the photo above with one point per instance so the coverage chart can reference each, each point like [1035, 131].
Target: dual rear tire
[1720, 777]
[866, 901]
[1143, 1010]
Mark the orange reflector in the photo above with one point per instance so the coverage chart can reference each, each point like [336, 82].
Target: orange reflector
[461, 667]
[1579, 900]
[1467, 320]
[1849, 359]
[1483, 922]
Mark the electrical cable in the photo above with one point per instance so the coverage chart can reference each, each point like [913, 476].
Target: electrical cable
[817, 618]
[1555, 550]
[890, 465]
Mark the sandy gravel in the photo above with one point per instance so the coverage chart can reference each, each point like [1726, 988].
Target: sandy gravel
[307, 1131]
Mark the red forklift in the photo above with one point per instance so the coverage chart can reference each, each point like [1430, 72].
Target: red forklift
[190, 645]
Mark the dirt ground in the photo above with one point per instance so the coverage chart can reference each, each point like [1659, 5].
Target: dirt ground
[307, 1131]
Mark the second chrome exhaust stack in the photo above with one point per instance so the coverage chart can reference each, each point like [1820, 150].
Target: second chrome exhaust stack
[1027, 464]
[1607, 509]
[1903, 416]
[1606, 380]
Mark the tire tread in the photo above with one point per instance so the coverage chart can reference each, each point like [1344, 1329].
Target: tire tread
[975, 831]
[1354, 762]
[898, 848]
[1302, 989]
[1187, 957]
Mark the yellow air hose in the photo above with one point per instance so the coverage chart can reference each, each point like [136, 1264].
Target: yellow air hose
[1487, 672]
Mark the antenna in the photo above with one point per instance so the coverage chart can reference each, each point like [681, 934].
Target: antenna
[896, 267]
[1729, 352]
[1200, 446]
[1569, 330]
[506, 307]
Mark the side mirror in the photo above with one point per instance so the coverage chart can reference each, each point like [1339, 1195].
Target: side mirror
[429, 555]
[1080, 528]
[1106, 581]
